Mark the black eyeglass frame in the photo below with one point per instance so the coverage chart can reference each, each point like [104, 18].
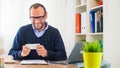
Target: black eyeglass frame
[37, 17]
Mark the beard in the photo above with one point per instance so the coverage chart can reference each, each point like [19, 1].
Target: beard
[39, 26]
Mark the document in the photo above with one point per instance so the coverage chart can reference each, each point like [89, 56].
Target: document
[33, 62]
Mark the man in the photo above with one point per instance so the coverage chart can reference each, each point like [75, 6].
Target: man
[51, 46]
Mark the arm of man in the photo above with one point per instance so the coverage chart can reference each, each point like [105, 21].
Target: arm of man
[18, 42]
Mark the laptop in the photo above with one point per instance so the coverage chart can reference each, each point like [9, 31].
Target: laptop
[75, 56]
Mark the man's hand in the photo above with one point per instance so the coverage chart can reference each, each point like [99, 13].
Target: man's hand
[25, 51]
[41, 51]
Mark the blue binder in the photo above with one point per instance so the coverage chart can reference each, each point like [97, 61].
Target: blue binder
[92, 19]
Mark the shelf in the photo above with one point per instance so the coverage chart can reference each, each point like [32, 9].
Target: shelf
[95, 33]
[81, 5]
[81, 8]
[97, 8]
[90, 5]
[80, 34]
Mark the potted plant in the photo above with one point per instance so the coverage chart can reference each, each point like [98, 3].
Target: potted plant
[92, 54]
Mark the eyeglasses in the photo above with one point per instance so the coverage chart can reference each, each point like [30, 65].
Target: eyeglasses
[38, 17]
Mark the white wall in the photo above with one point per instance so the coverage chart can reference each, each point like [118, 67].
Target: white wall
[16, 13]
[61, 15]
[11, 18]
[112, 32]
[70, 26]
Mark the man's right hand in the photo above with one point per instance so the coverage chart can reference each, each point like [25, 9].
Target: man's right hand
[25, 51]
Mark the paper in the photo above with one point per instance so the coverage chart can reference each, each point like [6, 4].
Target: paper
[33, 62]
[32, 46]
[8, 59]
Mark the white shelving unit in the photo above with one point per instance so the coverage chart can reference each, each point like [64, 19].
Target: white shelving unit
[87, 7]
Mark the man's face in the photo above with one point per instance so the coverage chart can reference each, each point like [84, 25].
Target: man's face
[38, 17]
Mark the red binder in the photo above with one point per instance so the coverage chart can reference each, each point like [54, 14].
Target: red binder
[78, 23]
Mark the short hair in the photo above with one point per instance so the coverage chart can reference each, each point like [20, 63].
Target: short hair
[36, 5]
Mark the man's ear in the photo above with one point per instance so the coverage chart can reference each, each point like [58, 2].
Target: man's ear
[46, 16]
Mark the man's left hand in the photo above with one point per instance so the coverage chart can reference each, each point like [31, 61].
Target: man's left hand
[41, 51]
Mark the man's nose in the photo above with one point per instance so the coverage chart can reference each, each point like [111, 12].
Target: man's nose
[37, 20]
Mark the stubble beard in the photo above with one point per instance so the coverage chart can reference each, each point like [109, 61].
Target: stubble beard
[42, 27]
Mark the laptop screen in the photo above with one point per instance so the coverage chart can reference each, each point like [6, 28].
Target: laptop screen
[76, 55]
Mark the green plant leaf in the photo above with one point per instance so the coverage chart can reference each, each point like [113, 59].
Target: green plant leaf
[96, 46]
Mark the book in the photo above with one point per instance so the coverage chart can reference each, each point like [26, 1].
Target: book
[78, 23]
[99, 21]
[96, 20]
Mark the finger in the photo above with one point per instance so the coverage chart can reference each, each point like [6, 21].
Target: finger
[39, 48]
[23, 53]
[26, 50]
[23, 49]
[26, 53]
[27, 47]
[23, 46]
[42, 54]
[39, 53]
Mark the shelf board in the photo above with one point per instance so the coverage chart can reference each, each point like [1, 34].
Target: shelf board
[97, 8]
[81, 5]
[80, 34]
[95, 33]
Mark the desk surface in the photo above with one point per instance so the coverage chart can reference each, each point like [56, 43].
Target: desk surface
[39, 66]
[17, 64]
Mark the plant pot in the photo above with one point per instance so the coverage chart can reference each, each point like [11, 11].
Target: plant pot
[92, 59]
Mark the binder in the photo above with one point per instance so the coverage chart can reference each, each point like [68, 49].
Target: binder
[83, 22]
[92, 20]
[78, 23]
